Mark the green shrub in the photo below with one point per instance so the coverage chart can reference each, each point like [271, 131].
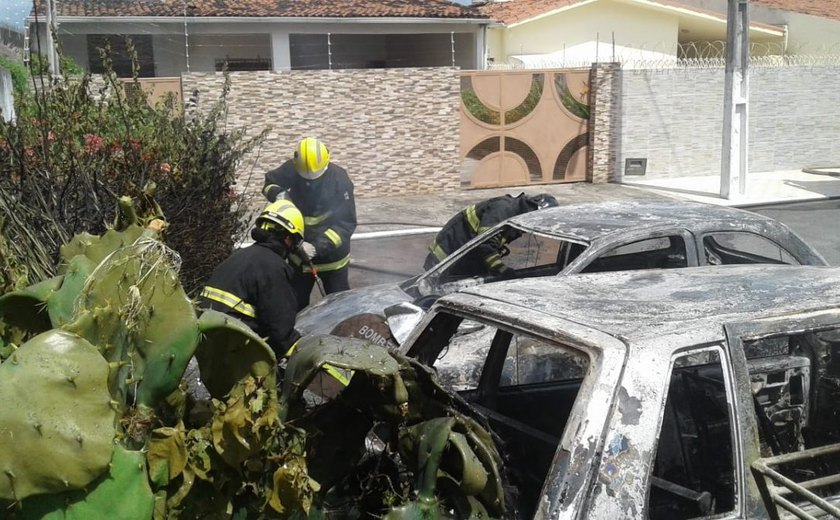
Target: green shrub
[19, 72]
[72, 152]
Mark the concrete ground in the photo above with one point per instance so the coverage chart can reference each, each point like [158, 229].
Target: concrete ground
[762, 187]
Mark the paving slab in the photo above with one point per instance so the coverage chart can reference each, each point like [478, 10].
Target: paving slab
[762, 187]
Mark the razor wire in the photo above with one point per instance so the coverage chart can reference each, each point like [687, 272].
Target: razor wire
[683, 55]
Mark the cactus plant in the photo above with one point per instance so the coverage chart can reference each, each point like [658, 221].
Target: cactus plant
[101, 427]
[58, 422]
[123, 493]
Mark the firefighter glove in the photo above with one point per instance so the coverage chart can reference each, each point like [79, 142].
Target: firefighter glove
[308, 250]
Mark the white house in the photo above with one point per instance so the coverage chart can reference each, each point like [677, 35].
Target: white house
[544, 33]
[813, 26]
[174, 36]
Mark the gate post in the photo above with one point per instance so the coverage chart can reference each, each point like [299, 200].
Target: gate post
[604, 123]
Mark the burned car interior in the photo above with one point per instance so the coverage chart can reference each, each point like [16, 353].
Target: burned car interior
[512, 379]
[795, 388]
[526, 254]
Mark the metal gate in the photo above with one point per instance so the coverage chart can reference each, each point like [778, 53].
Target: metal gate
[524, 127]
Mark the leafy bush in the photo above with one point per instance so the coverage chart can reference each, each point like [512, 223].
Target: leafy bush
[20, 75]
[41, 65]
[75, 149]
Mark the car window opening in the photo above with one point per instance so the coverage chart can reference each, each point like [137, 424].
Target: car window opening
[739, 247]
[652, 253]
[525, 386]
[512, 253]
[694, 473]
[795, 385]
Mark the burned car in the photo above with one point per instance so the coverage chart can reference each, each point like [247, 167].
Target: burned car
[580, 238]
[652, 394]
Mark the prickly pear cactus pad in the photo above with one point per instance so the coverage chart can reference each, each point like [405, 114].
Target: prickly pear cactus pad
[121, 494]
[23, 313]
[132, 306]
[56, 422]
[229, 351]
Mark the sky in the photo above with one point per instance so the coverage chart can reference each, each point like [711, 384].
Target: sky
[12, 12]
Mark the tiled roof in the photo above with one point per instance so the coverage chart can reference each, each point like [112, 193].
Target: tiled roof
[270, 8]
[823, 8]
[513, 11]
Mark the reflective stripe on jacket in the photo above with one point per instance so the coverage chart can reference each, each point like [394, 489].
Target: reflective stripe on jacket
[253, 285]
[328, 207]
[472, 221]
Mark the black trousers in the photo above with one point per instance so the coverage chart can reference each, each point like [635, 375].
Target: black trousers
[334, 281]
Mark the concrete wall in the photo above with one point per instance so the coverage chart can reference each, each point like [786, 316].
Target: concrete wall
[586, 31]
[394, 130]
[674, 118]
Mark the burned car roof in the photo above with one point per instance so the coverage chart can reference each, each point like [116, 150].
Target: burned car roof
[639, 305]
[589, 221]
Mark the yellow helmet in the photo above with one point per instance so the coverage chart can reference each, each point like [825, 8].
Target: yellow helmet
[311, 158]
[282, 214]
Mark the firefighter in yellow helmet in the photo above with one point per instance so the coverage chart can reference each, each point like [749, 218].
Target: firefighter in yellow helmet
[254, 283]
[324, 193]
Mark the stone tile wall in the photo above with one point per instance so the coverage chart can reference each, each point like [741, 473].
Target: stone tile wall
[395, 131]
[674, 118]
[604, 122]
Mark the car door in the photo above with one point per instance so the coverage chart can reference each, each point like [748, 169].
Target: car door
[646, 249]
[542, 388]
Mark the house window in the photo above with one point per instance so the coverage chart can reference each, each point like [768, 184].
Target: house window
[376, 51]
[121, 58]
[243, 64]
[694, 472]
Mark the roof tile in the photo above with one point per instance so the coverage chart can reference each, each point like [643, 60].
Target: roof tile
[822, 8]
[270, 8]
[512, 11]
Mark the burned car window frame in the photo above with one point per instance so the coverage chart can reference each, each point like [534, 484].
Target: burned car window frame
[758, 259]
[591, 410]
[683, 361]
[605, 245]
[432, 280]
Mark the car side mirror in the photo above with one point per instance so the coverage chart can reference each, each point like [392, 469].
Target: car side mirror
[402, 318]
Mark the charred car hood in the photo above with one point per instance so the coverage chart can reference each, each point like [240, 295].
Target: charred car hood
[322, 317]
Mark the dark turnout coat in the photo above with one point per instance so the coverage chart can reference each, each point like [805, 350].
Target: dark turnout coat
[328, 208]
[474, 220]
[252, 285]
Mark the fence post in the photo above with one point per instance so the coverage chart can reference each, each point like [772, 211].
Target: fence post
[7, 100]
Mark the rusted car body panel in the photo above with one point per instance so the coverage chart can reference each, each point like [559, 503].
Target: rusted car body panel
[639, 331]
[594, 228]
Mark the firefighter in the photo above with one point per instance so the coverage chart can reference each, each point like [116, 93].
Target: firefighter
[324, 193]
[254, 283]
[478, 218]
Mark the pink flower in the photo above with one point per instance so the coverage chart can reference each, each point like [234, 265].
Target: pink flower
[93, 143]
[165, 167]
